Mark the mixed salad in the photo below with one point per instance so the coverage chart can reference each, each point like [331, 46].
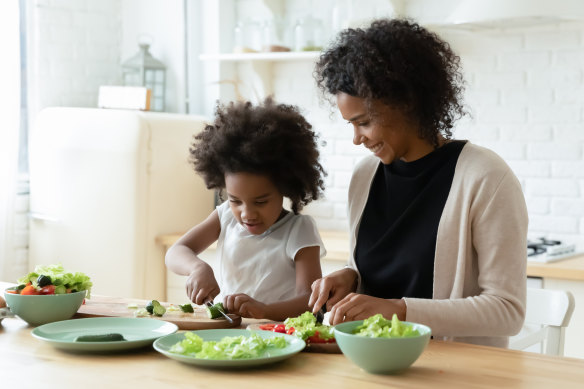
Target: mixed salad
[52, 279]
[377, 326]
[305, 327]
[229, 347]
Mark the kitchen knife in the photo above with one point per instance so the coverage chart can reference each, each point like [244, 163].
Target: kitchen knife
[209, 303]
[320, 314]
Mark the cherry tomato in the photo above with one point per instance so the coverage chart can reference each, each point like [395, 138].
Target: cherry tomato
[290, 330]
[49, 289]
[317, 339]
[267, 327]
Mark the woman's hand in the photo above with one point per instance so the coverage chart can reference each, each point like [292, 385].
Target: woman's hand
[332, 288]
[360, 306]
[244, 306]
[201, 284]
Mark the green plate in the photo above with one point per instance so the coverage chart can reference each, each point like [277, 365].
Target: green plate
[295, 345]
[138, 332]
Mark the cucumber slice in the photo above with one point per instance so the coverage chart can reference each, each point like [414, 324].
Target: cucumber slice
[158, 310]
[188, 308]
[215, 310]
[114, 337]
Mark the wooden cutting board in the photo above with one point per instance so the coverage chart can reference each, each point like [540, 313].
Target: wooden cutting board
[104, 306]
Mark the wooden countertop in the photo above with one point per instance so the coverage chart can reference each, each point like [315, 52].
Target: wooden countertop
[337, 246]
[28, 362]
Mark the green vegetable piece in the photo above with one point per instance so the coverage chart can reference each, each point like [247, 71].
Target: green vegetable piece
[60, 289]
[44, 280]
[158, 310]
[114, 337]
[188, 308]
[215, 310]
[20, 287]
[150, 306]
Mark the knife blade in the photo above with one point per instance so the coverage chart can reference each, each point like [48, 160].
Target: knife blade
[209, 303]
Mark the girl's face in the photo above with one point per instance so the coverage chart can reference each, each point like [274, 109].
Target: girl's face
[389, 134]
[254, 200]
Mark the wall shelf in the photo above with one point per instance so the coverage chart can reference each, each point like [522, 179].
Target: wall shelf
[267, 56]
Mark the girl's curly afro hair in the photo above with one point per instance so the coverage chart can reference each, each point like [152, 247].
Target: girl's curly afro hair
[268, 139]
[401, 64]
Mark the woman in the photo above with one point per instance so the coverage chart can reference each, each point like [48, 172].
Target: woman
[438, 227]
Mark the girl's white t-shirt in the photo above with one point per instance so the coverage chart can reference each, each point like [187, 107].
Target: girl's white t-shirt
[262, 266]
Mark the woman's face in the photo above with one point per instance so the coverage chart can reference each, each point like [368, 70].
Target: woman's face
[389, 134]
[255, 201]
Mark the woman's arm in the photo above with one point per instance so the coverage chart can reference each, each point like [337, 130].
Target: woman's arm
[182, 258]
[492, 302]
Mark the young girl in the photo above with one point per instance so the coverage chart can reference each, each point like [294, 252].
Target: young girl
[268, 256]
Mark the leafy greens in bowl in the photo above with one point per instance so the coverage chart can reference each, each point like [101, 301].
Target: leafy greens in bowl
[381, 346]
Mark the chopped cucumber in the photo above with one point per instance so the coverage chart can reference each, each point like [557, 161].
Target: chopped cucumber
[188, 308]
[215, 310]
[154, 308]
[100, 338]
[158, 310]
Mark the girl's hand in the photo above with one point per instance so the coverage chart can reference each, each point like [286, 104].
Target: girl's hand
[332, 288]
[244, 306]
[359, 306]
[201, 284]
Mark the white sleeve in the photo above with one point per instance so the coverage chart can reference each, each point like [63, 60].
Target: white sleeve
[224, 213]
[303, 233]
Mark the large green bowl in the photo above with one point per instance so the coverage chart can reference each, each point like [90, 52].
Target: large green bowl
[42, 309]
[381, 355]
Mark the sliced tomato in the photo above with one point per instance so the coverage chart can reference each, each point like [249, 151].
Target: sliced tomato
[317, 339]
[290, 330]
[281, 328]
[49, 289]
[29, 290]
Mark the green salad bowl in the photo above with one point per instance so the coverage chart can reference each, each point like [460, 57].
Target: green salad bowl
[381, 355]
[42, 309]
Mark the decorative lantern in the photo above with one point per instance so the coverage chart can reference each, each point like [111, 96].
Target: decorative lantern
[145, 70]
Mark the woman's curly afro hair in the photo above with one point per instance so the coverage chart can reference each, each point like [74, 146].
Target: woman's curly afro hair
[268, 139]
[401, 64]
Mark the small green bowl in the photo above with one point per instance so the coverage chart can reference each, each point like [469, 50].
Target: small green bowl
[42, 309]
[381, 355]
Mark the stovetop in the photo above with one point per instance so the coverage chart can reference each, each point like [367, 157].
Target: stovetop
[547, 250]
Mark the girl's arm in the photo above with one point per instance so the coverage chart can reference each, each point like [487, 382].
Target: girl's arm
[182, 258]
[308, 270]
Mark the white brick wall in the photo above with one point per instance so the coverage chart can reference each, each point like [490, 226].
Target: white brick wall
[75, 48]
[525, 91]
[526, 94]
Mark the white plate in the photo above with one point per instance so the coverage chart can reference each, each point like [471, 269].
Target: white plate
[138, 332]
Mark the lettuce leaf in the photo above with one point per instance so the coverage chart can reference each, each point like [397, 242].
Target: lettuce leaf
[305, 326]
[229, 347]
[60, 278]
[377, 326]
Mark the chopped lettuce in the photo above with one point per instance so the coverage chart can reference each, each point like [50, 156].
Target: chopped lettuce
[60, 278]
[305, 326]
[229, 347]
[377, 326]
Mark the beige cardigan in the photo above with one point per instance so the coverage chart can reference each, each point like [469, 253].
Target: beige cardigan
[481, 251]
